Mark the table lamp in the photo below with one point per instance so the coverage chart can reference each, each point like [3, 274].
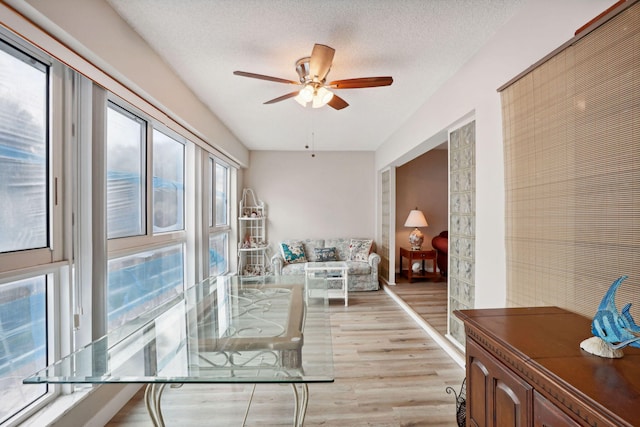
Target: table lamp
[416, 219]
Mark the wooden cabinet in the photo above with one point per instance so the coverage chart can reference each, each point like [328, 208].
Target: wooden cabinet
[525, 368]
[499, 394]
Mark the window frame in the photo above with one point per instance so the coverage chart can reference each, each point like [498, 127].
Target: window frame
[223, 226]
[53, 250]
[128, 245]
[185, 144]
[144, 165]
[209, 218]
[53, 261]
[119, 247]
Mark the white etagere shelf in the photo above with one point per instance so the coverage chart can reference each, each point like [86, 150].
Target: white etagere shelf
[252, 247]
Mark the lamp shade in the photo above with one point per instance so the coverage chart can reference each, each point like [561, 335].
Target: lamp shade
[416, 219]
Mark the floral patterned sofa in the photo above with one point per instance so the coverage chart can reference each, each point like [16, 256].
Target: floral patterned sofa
[359, 255]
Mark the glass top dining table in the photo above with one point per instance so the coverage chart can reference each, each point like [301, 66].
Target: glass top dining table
[228, 329]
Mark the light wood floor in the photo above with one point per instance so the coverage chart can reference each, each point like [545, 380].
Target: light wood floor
[388, 372]
[428, 298]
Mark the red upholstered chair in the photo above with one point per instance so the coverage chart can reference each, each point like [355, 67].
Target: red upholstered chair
[441, 244]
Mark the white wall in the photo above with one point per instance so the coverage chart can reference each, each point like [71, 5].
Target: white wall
[538, 28]
[329, 195]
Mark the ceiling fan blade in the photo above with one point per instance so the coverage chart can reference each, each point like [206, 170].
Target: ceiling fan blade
[337, 103]
[321, 60]
[361, 82]
[283, 97]
[263, 77]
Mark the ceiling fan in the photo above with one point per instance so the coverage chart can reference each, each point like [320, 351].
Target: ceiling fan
[312, 71]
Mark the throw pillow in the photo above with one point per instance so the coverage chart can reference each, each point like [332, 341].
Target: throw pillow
[293, 252]
[325, 254]
[359, 249]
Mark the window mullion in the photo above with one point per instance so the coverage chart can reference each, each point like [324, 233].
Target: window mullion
[99, 213]
[193, 201]
[58, 188]
[83, 210]
[147, 164]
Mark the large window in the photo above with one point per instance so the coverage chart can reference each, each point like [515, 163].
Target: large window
[26, 226]
[218, 253]
[219, 227]
[222, 186]
[126, 139]
[23, 341]
[142, 281]
[97, 224]
[218, 217]
[168, 183]
[147, 266]
[23, 151]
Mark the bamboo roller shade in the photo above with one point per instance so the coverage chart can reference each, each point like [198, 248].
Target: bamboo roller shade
[571, 131]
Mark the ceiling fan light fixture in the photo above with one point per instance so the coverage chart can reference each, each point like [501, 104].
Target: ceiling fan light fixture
[321, 97]
[300, 101]
[325, 95]
[306, 93]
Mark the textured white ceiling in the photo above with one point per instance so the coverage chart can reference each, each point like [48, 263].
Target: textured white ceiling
[421, 43]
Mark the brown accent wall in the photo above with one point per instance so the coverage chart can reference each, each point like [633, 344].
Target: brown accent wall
[422, 183]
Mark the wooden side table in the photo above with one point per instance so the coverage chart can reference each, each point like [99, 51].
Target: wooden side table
[418, 255]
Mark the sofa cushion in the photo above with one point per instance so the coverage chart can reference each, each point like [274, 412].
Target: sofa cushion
[325, 254]
[309, 245]
[359, 249]
[293, 252]
[342, 247]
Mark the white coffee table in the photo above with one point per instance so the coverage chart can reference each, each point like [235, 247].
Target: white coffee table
[332, 271]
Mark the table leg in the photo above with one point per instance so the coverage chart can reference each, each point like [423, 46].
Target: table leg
[346, 287]
[152, 395]
[401, 270]
[301, 401]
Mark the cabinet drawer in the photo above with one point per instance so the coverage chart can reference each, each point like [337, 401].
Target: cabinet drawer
[546, 414]
[424, 255]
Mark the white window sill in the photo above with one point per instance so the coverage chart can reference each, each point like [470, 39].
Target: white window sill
[87, 406]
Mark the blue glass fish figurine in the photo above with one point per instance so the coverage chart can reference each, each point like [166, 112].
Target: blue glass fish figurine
[617, 329]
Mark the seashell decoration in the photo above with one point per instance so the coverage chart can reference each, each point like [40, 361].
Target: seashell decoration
[599, 347]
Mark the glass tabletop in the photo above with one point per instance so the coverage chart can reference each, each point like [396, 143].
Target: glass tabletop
[222, 330]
